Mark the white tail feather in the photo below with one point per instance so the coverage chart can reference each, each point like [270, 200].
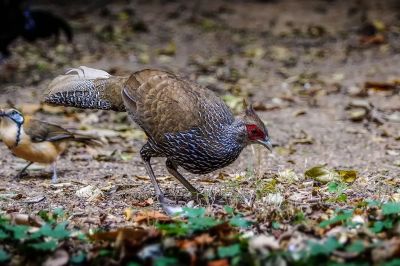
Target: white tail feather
[88, 73]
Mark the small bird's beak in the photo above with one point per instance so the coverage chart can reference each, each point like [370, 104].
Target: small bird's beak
[266, 143]
[2, 113]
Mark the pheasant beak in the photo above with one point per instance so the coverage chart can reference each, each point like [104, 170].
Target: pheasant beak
[266, 143]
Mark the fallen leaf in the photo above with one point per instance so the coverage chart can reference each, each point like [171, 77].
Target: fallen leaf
[374, 39]
[204, 239]
[381, 85]
[25, 219]
[90, 192]
[147, 216]
[36, 199]
[287, 176]
[263, 244]
[321, 174]
[348, 176]
[59, 258]
[223, 262]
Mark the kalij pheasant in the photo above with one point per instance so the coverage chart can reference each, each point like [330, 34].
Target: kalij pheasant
[184, 122]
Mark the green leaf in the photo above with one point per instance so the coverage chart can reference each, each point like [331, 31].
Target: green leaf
[45, 215]
[239, 221]
[229, 210]
[45, 230]
[3, 235]
[391, 208]
[341, 198]
[229, 251]
[342, 216]
[58, 212]
[394, 262]
[45, 246]
[174, 229]
[380, 225]
[60, 232]
[19, 231]
[330, 245]
[202, 223]
[333, 187]
[132, 263]
[194, 212]
[4, 256]
[105, 252]
[78, 258]
[372, 203]
[361, 263]
[276, 225]
[165, 261]
[356, 247]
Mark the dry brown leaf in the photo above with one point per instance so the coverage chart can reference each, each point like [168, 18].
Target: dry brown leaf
[223, 262]
[25, 219]
[388, 249]
[126, 236]
[374, 39]
[146, 216]
[382, 85]
[203, 239]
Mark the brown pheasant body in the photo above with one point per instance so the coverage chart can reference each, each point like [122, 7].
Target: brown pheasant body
[184, 122]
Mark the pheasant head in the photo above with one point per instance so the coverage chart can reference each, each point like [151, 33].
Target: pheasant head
[255, 129]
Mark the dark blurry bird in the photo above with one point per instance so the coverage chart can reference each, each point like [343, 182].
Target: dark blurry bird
[17, 21]
[184, 122]
[44, 24]
[36, 141]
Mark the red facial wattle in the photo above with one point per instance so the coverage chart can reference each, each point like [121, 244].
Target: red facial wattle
[254, 132]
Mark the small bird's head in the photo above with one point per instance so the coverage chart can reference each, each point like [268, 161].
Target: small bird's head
[12, 115]
[255, 128]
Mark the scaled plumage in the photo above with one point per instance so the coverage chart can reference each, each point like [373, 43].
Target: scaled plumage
[186, 123]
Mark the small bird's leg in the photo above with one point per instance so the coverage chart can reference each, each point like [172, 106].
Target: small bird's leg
[172, 169]
[23, 170]
[54, 177]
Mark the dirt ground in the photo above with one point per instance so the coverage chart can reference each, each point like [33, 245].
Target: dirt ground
[304, 64]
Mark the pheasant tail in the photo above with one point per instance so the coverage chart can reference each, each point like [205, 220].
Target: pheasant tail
[87, 88]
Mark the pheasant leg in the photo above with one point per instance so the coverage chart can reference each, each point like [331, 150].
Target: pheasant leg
[169, 206]
[23, 170]
[174, 171]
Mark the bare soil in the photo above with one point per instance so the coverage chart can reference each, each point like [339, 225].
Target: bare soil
[301, 63]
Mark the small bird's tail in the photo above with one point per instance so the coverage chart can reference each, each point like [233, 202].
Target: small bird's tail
[87, 88]
[87, 140]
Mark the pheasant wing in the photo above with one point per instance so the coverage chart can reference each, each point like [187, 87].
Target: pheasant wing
[160, 103]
